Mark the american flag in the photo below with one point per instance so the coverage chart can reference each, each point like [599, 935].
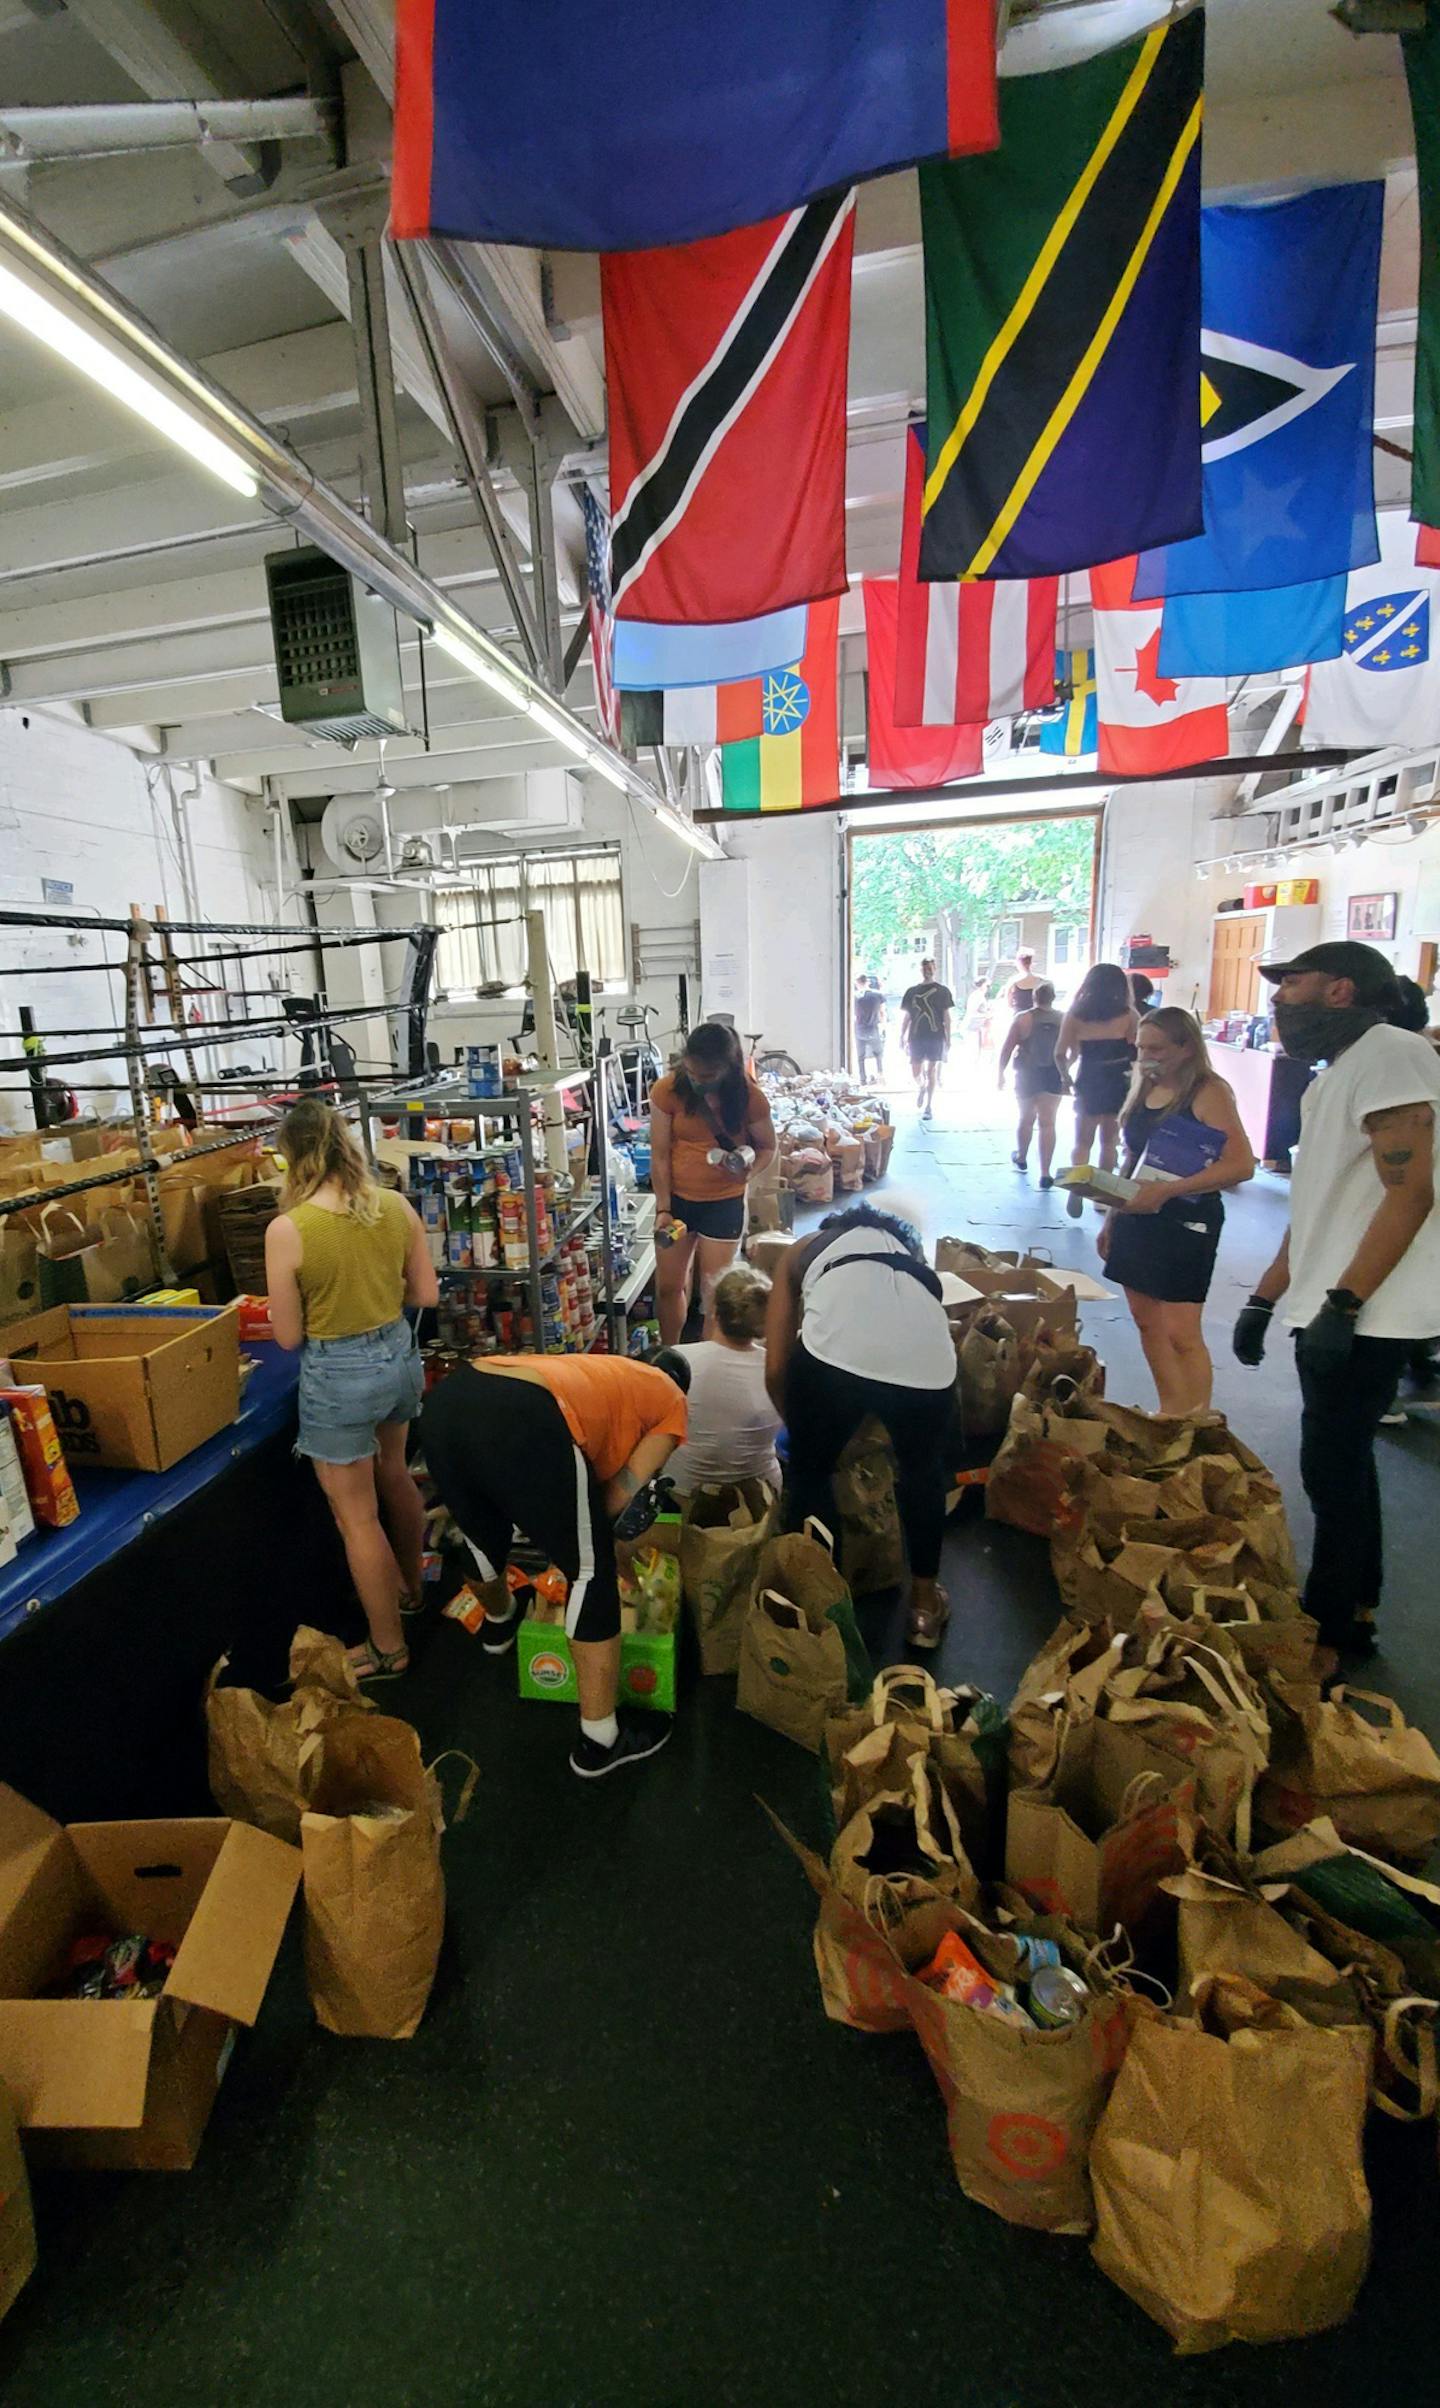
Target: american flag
[602, 624]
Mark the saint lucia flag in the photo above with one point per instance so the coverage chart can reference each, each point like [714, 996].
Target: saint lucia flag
[1074, 729]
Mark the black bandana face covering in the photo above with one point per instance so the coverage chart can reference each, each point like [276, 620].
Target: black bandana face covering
[1317, 1032]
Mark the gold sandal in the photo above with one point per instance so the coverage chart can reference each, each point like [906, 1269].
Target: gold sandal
[371, 1663]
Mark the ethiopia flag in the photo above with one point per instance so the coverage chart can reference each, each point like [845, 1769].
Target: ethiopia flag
[1062, 320]
[778, 735]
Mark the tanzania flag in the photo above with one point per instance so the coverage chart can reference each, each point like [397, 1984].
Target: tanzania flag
[778, 735]
[1422, 69]
[1062, 300]
[1074, 729]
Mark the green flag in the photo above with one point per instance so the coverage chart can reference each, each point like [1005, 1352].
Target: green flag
[1422, 69]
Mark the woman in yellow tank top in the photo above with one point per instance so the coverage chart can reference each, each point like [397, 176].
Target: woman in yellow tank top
[343, 1257]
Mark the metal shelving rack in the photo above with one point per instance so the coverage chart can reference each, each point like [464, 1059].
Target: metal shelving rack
[452, 1098]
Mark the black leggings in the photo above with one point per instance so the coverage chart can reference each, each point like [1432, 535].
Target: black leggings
[1340, 1413]
[501, 1454]
[823, 1410]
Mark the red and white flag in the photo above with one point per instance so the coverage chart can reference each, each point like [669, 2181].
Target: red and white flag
[906, 756]
[968, 652]
[1147, 722]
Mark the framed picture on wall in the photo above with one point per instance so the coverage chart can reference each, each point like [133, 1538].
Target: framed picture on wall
[1372, 918]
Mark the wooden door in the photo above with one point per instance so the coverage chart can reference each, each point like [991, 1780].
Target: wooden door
[1239, 941]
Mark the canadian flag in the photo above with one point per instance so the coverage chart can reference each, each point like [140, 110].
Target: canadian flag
[972, 651]
[1147, 722]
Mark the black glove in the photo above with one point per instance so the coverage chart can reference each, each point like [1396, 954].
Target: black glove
[656, 1497]
[1325, 1343]
[1252, 1328]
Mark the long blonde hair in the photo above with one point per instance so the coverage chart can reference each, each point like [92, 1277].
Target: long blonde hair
[317, 1144]
[1180, 1028]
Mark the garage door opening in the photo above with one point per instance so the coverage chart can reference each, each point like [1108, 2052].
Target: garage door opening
[971, 896]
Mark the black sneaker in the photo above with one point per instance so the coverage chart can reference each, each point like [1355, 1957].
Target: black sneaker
[1075, 1205]
[1046, 1180]
[496, 1637]
[640, 1735]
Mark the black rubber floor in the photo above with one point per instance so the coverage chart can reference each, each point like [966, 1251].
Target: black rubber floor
[627, 2163]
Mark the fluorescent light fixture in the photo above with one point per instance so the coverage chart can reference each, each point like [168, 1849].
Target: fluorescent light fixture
[605, 768]
[560, 729]
[683, 829]
[490, 673]
[107, 366]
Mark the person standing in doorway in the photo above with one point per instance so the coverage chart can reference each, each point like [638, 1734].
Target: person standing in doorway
[343, 1259]
[710, 1134]
[1022, 996]
[925, 1012]
[1031, 1042]
[1359, 1270]
[1160, 1247]
[869, 1028]
[1097, 1039]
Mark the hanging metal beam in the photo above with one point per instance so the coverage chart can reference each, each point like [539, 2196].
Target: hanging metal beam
[359, 228]
[1000, 790]
[94, 130]
[176, 57]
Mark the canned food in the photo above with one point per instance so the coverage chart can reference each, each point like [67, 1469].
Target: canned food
[1058, 1998]
[1032, 1952]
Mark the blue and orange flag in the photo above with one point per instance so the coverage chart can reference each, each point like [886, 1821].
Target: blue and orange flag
[577, 125]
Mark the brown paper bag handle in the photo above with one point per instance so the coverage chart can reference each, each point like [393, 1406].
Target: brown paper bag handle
[789, 1616]
[1421, 2068]
[457, 1755]
[902, 1677]
[1393, 1716]
[815, 1529]
[47, 1214]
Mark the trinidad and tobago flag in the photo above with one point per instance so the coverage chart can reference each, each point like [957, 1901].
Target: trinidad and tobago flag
[725, 362]
[579, 125]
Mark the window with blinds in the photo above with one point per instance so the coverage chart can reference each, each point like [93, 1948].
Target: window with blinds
[482, 923]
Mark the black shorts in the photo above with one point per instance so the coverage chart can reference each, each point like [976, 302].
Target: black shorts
[711, 1216]
[1168, 1255]
[1101, 1091]
[501, 1454]
[927, 1049]
[1045, 1081]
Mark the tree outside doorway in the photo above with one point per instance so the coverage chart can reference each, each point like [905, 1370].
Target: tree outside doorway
[972, 898]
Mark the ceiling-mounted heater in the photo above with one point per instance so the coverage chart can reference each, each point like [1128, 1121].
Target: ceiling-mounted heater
[337, 649]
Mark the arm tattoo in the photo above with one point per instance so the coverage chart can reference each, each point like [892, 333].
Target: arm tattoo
[1393, 1166]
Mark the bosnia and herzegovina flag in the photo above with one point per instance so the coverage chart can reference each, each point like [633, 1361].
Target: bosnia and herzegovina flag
[1062, 291]
[579, 125]
[778, 735]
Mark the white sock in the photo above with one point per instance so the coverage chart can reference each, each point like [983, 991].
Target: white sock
[603, 1733]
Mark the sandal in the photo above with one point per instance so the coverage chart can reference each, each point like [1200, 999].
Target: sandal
[926, 1624]
[371, 1663]
[412, 1601]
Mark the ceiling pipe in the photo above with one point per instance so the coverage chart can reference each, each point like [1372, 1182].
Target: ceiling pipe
[302, 502]
[96, 130]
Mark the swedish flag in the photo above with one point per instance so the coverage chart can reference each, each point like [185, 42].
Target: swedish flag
[1062, 292]
[1074, 729]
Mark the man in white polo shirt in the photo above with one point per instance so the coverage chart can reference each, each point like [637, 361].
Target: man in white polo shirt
[1360, 1266]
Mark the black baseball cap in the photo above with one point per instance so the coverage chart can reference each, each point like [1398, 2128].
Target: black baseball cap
[1373, 978]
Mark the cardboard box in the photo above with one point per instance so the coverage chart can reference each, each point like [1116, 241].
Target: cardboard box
[17, 2225]
[1024, 1303]
[106, 2082]
[133, 1387]
[647, 1666]
[767, 1249]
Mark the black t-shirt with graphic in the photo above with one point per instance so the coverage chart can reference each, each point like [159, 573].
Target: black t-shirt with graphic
[927, 1006]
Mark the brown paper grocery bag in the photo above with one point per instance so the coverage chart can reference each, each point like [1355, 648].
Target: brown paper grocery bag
[257, 1747]
[121, 1264]
[801, 1654]
[1374, 1775]
[724, 1528]
[1097, 1845]
[19, 1272]
[1029, 1484]
[374, 1889]
[902, 1834]
[1058, 1687]
[988, 1373]
[868, 1748]
[1230, 2195]
[1224, 1927]
[1021, 2106]
[872, 1545]
[862, 1981]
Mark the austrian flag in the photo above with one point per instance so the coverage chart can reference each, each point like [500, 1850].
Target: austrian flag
[726, 363]
[1147, 722]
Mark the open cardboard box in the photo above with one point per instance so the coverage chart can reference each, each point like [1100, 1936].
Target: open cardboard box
[105, 2082]
[1029, 1298]
[133, 1387]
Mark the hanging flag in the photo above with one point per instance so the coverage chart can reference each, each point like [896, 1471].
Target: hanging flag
[967, 652]
[779, 736]
[1073, 730]
[647, 658]
[1062, 288]
[1385, 687]
[1287, 397]
[680, 121]
[1228, 635]
[906, 756]
[602, 626]
[1427, 547]
[1422, 70]
[1147, 721]
[726, 364]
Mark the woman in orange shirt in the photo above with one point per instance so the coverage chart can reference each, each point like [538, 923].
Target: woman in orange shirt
[710, 1132]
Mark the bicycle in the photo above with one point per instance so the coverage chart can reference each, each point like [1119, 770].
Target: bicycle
[776, 1064]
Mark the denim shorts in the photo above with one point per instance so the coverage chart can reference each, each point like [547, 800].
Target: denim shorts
[348, 1386]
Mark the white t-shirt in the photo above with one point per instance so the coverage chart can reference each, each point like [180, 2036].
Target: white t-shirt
[731, 1423]
[873, 1321]
[1335, 1187]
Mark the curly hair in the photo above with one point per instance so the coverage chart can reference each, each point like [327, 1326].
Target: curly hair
[870, 1216]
